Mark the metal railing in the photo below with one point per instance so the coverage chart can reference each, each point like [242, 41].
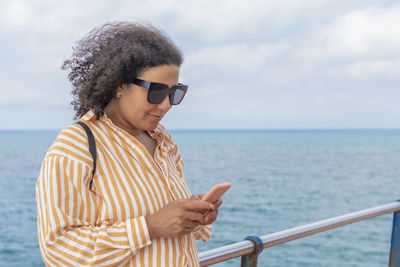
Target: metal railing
[250, 248]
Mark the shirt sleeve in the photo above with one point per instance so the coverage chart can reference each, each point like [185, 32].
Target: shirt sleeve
[202, 232]
[67, 212]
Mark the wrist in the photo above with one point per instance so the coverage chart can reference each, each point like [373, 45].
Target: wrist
[150, 227]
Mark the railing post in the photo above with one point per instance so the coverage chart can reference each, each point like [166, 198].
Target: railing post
[250, 260]
[395, 244]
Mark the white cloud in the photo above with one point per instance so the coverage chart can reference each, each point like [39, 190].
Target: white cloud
[249, 64]
[376, 69]
[236, 60]
[16, 14]
[362, 44]
[220, 21]
[368, 32]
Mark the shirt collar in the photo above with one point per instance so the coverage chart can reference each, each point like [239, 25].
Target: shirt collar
[156, 133]
[88, 116]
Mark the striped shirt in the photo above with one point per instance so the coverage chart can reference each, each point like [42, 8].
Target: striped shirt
[103, 222]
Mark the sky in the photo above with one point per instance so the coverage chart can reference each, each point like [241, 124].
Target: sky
[252, 64]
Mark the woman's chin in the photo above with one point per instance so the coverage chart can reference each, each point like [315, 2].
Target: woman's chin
[152, 125]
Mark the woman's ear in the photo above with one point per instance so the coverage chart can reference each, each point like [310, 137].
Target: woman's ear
[119, 90]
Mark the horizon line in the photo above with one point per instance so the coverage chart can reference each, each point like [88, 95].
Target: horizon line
[236, 129]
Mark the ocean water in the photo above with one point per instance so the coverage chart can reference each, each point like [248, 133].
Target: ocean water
[280, 179]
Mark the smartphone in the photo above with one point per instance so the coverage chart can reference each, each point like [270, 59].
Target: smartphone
[216, 192]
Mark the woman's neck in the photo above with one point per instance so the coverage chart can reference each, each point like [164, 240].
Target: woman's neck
[117, 120]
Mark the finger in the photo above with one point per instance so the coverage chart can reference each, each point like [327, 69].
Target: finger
[195, 197]
[209, 220]
[198, 205]
[193, 216]
[189, 226]
[218, 203]
[211, 217]
[213, 213]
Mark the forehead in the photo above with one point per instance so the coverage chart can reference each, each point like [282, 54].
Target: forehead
[167, 74]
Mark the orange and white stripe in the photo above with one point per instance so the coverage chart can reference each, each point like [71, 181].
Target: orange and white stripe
[105, 225]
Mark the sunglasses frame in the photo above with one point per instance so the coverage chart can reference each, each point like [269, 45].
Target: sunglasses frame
[151, 86]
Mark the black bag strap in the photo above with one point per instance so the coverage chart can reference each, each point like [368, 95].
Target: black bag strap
[92, 146]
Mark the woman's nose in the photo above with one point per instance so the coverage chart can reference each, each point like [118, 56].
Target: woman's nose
[165, 104]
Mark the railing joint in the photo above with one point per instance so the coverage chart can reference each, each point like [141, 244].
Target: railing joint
[250, 260]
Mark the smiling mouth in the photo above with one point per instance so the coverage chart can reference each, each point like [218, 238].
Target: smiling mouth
[156, 117]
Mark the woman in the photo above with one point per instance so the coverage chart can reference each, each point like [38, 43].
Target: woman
[133, 207]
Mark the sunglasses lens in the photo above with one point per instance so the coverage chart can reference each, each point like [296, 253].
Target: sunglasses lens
[157, 93]
[156, 97]
[177, 97]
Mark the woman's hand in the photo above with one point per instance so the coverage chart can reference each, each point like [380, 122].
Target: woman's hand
[178, 217]
[209, 216]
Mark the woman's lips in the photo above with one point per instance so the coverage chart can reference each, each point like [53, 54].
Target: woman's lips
[155, 117]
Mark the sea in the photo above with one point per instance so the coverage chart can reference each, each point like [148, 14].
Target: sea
[280, 179]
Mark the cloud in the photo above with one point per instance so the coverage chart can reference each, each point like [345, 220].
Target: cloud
[362, 44]
[369, 32]
[378, 69]
[262, 64]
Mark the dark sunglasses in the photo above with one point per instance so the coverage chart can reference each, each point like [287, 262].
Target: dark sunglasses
[158, 91]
